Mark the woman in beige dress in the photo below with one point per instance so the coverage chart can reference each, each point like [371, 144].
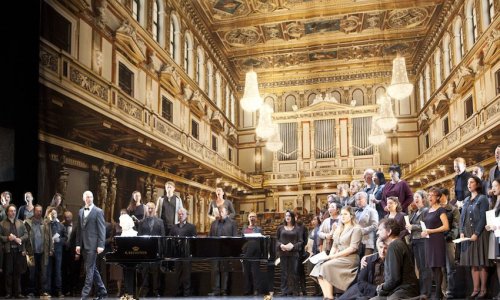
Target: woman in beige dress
[340, 269]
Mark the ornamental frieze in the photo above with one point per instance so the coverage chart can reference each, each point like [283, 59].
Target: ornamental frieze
[224, 9]
[407, 18]
[167, 130]
[48, 60]
[129, 108]
[453, 137]
[242, 37]
[273, 32]
[329, 79]
[88, 84]
[469, 126]
[492, 111]
[373, 20]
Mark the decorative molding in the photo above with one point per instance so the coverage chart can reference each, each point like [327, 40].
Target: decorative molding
[88, 84]
[196, 102]
[442, 103]
[327, 79]
[171, 78]
[49, 60]
[127, 36]
[492, 48]
[217, 121]
[129, 108]
[464, 79]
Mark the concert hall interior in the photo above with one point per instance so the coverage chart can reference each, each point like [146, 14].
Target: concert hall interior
[134, 93]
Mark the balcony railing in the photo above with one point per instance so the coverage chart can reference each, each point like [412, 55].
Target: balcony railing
[65, 73]
[478, 124]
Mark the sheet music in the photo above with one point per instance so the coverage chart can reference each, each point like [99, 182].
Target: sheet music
[456, 241]
[490, 217]
[424, 228]
[320, 257]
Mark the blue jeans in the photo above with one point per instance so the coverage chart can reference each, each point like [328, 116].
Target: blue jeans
[448, 286]
[54, 270]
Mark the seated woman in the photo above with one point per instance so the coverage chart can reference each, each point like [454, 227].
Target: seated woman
[340, 269]
[369, 276]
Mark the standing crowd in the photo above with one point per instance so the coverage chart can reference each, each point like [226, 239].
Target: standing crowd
[375, 240]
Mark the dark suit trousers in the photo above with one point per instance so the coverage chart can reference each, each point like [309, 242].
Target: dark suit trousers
[251, 273]
[13, 272]
[183, 274]
[92, 274]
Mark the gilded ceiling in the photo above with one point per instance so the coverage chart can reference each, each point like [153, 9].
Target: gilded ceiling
[297, 36]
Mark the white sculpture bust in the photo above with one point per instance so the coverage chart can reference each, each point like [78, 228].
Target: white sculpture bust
[127, 225]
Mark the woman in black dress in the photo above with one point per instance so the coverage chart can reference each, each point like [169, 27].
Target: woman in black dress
[289, 241]
[436, 222]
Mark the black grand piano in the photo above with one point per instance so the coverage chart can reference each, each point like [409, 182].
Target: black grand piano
[131, 252]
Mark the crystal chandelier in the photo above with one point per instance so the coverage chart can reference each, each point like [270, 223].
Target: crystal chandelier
[274, 143]
[386, 120]
[251, 100]
[400, 87]
[377, 136]
[265, 126]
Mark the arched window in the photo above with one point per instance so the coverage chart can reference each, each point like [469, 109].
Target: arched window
[471, 23]
[175, 41]
[437, 68]
[427, 82]
[290, 101]
[458, 41]
[310, 98]
[226, 96]
[491, 9]
[136, 8]
[233, 109]
[446, 55]
[139, 12]
[156, 19]
[200, 68]
[218, 90]
[210, 80]
[359, 96]
[379, 92]
[188, 55]
[487, 12]
[337, 96]
[421, 92]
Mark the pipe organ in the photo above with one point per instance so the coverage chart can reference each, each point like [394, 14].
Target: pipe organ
[323, 143]
[324, 138]
[361, 128]
[288, 135]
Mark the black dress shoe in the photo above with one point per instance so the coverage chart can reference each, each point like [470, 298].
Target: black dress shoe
[20, 296]
[8, 296]
[101, 297]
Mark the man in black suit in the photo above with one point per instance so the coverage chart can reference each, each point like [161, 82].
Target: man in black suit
[71, 262]
[183, 269]
[91, 236]
[223, 226]
[461, 190]
[150, 225]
